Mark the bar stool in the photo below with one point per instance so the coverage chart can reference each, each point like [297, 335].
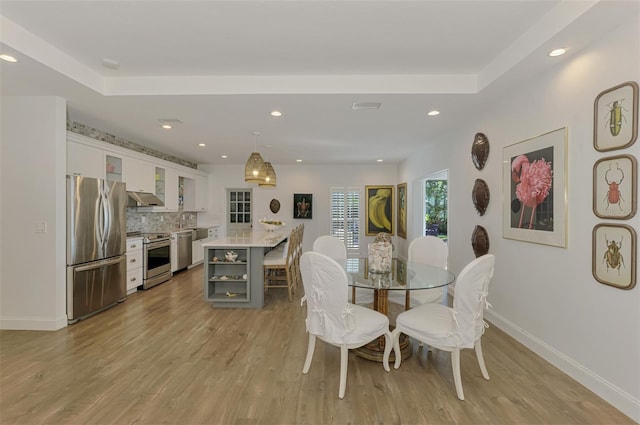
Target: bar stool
[278, 261]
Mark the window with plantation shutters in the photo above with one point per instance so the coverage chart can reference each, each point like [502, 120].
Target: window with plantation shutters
[345, 216]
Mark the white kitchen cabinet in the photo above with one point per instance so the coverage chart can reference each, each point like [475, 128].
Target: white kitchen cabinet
[160, 184]
[188, 192]
[174, 252]
[139, 175]
[171, 189]
[92, 158]
[113, 167]
[195, 191]
[83, 160]
[134, 264]
[197, 254]
[202, 193]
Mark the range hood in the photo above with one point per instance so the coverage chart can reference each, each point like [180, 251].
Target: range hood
[144, 199]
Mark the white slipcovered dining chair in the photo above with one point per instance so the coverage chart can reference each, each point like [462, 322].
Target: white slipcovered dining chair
[452, 329]
[336, 249]
[427, 250]
[331, 318]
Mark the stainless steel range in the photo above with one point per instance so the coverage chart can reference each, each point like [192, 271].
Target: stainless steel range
[156, 261]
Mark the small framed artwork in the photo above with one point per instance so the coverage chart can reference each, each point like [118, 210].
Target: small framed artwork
[615, 192]
[402, 210]
[615, 117]
[535, 189]
[379, 210]
[614, 257]
[302, 205]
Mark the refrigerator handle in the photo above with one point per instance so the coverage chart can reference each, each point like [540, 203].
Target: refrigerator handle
[98, 265]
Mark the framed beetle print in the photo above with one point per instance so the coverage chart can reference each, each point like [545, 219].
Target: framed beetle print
[379, 210]
[615, 192]
[614, 258]
[615, 117]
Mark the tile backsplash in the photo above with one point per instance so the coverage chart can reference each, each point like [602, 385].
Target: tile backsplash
[157, 222]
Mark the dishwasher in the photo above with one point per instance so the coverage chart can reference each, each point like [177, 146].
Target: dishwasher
[184, 249]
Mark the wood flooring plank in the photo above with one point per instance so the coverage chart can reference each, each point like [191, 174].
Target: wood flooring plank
[165, 356]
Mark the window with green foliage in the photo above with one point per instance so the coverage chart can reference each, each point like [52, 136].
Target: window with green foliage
[435, 198]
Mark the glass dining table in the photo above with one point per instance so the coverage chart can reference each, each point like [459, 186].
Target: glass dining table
[404, 276]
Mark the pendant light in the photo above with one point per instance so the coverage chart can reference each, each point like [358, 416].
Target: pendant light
[254, 169]
[269, 176]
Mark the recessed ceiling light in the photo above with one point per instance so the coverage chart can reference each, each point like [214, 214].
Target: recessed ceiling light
[557, 52]
[433, 113]
[202, 144]
[275, 113]
[298, 160]
[166, 126]
[224, 156]
[379, 160]
[8, 58]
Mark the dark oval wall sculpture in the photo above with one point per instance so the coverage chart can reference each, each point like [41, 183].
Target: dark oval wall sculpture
[480, 150]
[480, 196]
[274, 206]
[480, 241]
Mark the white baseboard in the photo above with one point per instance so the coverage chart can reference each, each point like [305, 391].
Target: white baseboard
[618, 398]
[33, 323]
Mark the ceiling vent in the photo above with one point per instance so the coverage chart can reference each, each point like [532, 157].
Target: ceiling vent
[110, 63]
[171, 121]
[366, 105]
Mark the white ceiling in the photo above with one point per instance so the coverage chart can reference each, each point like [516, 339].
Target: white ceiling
[220, 67]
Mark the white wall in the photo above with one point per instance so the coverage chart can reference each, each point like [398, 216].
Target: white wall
[546, 296]
[299, 178]
[33, 161]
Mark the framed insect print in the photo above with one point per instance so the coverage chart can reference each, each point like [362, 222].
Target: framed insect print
[614, 257]
[379, 210]
[302, 205]
[615, 192]
[402, 210]
[535, 189]
[615, 120]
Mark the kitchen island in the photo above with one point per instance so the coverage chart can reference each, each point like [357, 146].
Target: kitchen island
[238, 282]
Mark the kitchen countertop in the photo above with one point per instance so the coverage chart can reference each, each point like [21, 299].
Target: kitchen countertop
[250, 238]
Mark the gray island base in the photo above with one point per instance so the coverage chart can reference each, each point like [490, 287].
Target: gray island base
[239, 282]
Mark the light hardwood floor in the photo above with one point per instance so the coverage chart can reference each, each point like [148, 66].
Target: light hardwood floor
[165, 356]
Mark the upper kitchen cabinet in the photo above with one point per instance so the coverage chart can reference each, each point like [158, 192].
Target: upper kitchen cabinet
[171, 184]
[195, 192]
[166, 188]
[161, 183]
[202, 193]
[140, 175]
[83, 160]
[113, 167]
[180, 187]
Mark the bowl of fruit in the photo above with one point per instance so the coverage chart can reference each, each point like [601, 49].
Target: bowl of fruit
[271, 225]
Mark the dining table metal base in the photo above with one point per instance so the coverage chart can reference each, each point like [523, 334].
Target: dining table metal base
[374, 350]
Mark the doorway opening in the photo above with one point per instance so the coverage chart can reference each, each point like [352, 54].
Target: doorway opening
[435, 204]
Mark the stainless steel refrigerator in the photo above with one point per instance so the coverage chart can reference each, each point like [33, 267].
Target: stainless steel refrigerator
[96, 245]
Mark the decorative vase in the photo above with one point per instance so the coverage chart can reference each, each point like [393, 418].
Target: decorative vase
[380, 257]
